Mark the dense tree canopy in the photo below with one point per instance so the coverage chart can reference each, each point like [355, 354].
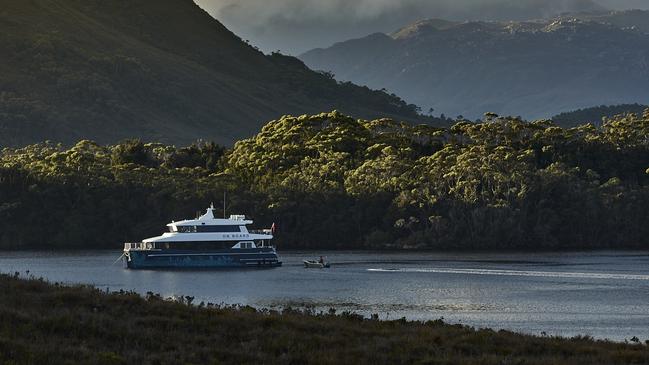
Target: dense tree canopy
[332, 181]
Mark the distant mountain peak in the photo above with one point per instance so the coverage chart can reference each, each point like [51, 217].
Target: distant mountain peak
[427, 25]
[533, 68]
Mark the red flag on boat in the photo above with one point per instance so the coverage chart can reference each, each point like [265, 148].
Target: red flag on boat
[273, 228]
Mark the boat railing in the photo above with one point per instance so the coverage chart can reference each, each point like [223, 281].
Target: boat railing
[136, 246]
[261, 231]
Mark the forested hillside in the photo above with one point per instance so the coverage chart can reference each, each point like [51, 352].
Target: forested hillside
[534, 69]
[160, 70]
[332, 181]
[596, 115]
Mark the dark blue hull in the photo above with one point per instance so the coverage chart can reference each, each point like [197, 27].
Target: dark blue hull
[185, 259]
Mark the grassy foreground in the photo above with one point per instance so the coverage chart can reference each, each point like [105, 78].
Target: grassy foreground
[42, 323]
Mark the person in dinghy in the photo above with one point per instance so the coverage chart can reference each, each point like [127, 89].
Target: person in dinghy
[316, 264]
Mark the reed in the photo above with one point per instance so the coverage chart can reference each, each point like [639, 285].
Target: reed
[50, 323]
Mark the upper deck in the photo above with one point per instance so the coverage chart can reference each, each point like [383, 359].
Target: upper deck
[208, 228]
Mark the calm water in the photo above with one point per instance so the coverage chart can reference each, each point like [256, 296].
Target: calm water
[602, 294]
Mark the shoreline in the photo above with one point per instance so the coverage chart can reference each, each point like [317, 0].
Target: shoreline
[313, 308]
[47, 322]
[365, 251]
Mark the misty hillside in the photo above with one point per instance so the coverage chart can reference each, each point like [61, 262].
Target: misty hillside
[534, 69]
[296, 26]
[630, 19]
[507, 10]
[160, 70]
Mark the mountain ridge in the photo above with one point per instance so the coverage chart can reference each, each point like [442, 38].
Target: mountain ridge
[597, 114]
[540, 67]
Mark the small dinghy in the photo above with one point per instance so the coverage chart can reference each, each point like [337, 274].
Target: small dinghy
[313, 264]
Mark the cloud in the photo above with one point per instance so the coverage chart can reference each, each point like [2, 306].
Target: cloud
[294, 10]
[294, 26]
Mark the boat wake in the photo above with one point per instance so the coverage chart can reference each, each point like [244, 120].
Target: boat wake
[545, 274]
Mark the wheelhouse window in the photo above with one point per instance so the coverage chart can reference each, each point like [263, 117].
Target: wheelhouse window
[218, 229]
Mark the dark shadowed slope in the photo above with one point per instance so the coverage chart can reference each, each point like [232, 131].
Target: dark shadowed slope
[159, 70]
[596, 114]
[534, 69]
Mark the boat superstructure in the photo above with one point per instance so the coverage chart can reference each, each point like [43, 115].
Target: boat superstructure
[205, 242]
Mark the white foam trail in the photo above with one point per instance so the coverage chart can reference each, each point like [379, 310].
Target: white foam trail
[546, 274]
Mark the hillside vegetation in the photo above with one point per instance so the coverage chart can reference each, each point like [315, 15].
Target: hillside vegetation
[534, 69]
[53, 324]
[332, 181]
[159, 70]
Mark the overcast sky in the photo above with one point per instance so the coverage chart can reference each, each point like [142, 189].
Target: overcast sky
[295, 26]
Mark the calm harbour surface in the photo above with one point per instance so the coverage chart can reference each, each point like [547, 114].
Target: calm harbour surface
[600, 294]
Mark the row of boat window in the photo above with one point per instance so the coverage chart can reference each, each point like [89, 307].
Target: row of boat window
[194, 229]
[211, 245]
